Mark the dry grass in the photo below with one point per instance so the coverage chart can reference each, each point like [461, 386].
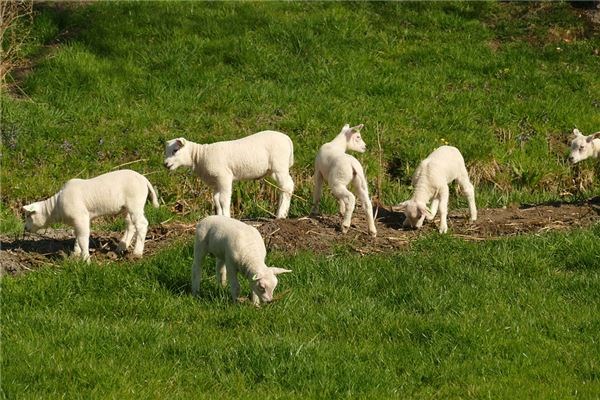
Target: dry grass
[16, 18]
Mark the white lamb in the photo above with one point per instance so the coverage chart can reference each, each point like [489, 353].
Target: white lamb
[238, 247]
[431, 180]
[253, 157]
[583, 147]
[81, 200]
[339, 169]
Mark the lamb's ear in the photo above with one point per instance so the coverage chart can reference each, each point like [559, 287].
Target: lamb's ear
[180, 142]
[277, 271]
[29, 208]
[577, 132]
[424, 210]
[357, 128]
[592, 137]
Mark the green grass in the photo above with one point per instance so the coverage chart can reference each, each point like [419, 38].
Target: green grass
[496, 80]
[509, 318]
[513, 318]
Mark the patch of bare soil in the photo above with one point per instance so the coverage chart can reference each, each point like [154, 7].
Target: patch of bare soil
[320, 234]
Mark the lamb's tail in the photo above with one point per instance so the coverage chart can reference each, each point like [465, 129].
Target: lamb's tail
[153, 195]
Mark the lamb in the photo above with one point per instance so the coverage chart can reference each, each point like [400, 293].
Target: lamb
[253, 157]
[339, 169]
[81, 200]
[583, 147]
[238, 247]
[431, 180]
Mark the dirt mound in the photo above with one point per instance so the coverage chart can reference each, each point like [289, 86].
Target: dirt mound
[319, 234]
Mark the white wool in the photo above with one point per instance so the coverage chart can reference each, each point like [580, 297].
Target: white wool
[81, 200]
[238, 247]
[584, 147]
[253, 157]
[339, 169]
[431, 180]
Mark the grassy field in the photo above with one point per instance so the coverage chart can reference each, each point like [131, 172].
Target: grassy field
[504, 82]
[512, 319]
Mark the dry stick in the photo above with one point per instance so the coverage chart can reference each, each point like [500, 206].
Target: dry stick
[293, 194]
[265, 210]
[130, 162]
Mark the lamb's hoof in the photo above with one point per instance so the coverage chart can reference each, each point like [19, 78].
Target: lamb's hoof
[443, 230]
[373, 233]
[121, 248]
[345, 229]
[137, 256]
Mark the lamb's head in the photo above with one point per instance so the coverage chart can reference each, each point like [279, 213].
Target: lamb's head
[415, 212]
[264, 283]
[581, 146]
[177, 154]
[35, 218]
[353, 140]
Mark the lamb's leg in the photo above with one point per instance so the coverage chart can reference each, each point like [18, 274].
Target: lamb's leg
[343, 194]
[467, 187]
[141, 226]
[128, 235]
[443, 196]
[199, 254]
[360, 185]
[221, 272]
[317, 191]
[224, 193]
[233, 282]
[434, 208]
[286, 184]
[82, 238]
[217, 203]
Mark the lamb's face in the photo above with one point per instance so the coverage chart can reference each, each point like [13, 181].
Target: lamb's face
[34, 218]
[581, 147]
[265, 284]
[354, 141]
[415, 213]
[175, 153]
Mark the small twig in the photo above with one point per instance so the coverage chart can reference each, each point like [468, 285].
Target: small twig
[129, 163]
[293, 194]
[265, 210]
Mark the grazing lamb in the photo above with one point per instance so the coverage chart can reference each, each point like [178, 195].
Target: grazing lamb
[339, 169]
[253, 157]
[431, 180]
[583, 147]
[238, 247]
[81, 200]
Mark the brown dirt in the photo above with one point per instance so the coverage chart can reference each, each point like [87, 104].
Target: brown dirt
[319, 235]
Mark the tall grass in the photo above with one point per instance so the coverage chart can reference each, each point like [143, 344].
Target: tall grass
[503, 82]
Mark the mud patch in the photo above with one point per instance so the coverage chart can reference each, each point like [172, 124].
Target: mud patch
[319, 234]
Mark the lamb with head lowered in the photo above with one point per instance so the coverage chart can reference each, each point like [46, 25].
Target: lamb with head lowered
[253, 157]
[583, 147]
[430, 181]
[339, 170]
[81, 200]
[238, 247]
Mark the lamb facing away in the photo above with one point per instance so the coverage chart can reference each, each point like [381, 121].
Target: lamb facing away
[431, 180]
[81, 200]
[339, 169]
[253, 157]
[583, 147]
[238, 247]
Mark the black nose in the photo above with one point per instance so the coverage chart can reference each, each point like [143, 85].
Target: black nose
[165, 164]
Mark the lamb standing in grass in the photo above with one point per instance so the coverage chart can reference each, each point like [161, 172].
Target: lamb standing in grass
[238, 247]
[253, 157]
[431, 180]
[583, 147]
[81, 200]
[339, 169]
